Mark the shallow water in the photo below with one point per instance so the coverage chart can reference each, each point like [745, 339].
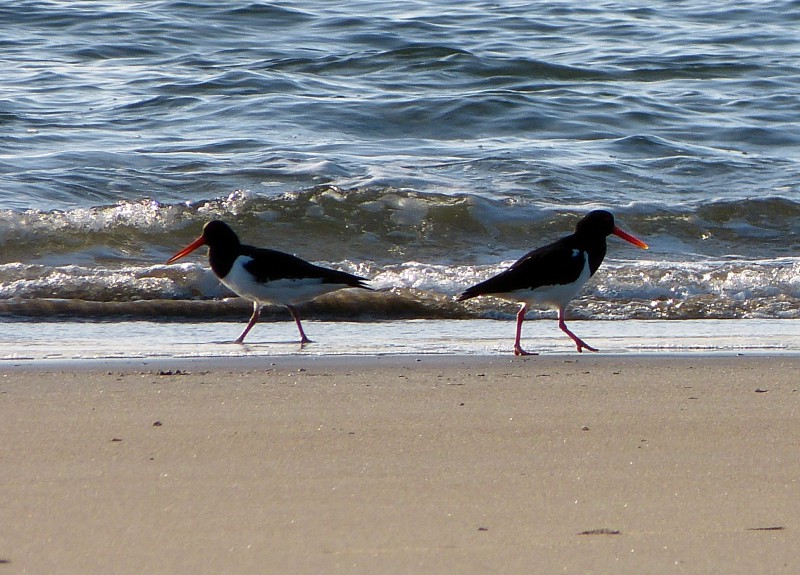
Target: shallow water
[35, 342]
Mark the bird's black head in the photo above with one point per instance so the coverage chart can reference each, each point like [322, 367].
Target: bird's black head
[597, 223]
[217, 233]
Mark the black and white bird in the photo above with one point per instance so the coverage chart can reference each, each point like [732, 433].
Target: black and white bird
[266, 276]
[554, 274]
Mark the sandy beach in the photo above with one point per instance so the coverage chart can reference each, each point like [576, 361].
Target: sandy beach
[416, 464]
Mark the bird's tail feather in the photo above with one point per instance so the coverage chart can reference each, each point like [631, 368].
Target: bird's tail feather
[469, 293]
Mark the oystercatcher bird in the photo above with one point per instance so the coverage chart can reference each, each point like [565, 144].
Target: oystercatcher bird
[553, 274]
[266, 276]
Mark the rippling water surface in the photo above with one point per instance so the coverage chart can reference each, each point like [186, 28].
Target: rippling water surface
[423, 144]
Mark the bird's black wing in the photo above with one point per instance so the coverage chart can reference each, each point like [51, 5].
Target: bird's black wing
[554, 264]
[269, 265]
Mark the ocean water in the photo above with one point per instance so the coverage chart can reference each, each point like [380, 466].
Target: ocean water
[425, 145]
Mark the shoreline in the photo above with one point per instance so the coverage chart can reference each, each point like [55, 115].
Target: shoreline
[347, 362]
[403, 464]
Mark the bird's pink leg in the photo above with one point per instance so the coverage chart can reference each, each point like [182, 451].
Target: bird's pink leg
[303, 338]
[251, 323]
[578, 341]
[517, 346]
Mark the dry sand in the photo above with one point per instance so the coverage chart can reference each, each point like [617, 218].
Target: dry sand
[563, 464]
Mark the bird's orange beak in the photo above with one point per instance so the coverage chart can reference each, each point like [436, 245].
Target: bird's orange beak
[201, 241]
[625, 236]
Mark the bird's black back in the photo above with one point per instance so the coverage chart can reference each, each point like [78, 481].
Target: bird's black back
[269, 265]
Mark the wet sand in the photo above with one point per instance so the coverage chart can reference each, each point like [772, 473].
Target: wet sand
[552, 464]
